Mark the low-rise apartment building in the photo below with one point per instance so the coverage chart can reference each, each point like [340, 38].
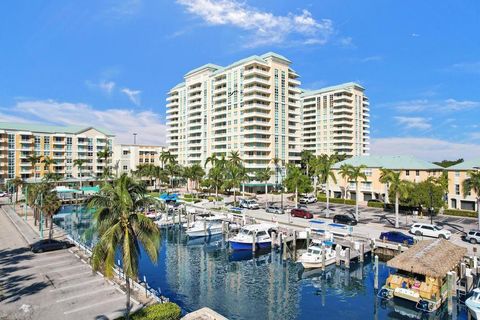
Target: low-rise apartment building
[19, 141]
[336, 120]
[127, 157]
[456, 175]
[411, 168]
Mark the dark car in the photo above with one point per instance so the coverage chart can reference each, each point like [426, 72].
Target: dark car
[301, 213]
[49, 245]
[344, 219]
[398, 237]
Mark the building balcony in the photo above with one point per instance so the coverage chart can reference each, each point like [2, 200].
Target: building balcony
[260, 123]
[256, 89]
[256, 80]
[294, 90]
[256, 97]
[256, 71]
[255, 148]
[294, 82]
[257, 106]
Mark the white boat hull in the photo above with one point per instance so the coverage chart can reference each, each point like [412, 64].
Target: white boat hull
[313, 264]
[474, 308]
[204, 232]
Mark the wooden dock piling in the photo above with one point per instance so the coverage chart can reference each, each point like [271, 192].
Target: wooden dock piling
[338, 249]
[375, 280]
[362, 252]
[254, 240]
[347, 258]
[323, 257]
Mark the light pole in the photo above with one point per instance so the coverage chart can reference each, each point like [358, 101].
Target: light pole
[26, 199]
[431, 205]
[135, 138]
[41, 215]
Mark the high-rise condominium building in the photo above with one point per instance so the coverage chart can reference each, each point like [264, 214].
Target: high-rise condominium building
[251, 106]
[336, 120]
[127, 157]
[63, 145]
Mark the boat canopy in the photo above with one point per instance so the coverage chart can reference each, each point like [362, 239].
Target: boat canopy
[432, 258]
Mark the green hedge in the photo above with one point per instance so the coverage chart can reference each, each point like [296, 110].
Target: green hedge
[160, 311]
[337, 200]
[461, 213]
[212, 198]
[375, 204]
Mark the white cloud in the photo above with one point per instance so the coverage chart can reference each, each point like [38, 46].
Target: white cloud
[125, 8]
[468, 67]
[425, 148]
[267, 28]
[122, 122]
[447, 105]
[105, 86]
[346, 42]
[415, 35]
[414, 122]
[133, 95]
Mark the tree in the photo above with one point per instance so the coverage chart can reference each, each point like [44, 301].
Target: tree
[51, 204]
[16, 182]
[234, 177]
[79, 163]
[166, 157]
[296, 181]
[324, 171]
[399, 187]
[264, 175]
[306, 158]
[385, 179]
[173, 170]
[277, 162]
[234, 158]
[148, 170]
[345, 170]
[196, 174]
[103, 156]
[212, 159]
[33, 159]
[47, 162]
[216, 177]
[472, 183]
[448, 163]
[122, 227]
[355, 174]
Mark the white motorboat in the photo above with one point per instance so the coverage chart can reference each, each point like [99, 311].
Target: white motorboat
[260, 232]
[206, 227]
[473, 304]
[313, 258]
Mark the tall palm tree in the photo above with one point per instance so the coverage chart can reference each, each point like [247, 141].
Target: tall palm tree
[357, 173]
[277, 162]
[296, 180]
[472, 183]
[173, 170]
[16, 182]
[306, 157]
[212, 159]
[79, 163]
[234, 158]
[122, 227]
[51, 204]
[233, 179]
[166, 157]
[345, 170]
[216, 176]
[47, 163]
[384, 178]
[325, 173]
[264, 175]
[33, 159]
[196, 174]
[401, 188]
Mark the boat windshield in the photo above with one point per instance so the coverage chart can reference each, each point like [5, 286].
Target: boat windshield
[476, 295]
[313, 250]
[245, 232]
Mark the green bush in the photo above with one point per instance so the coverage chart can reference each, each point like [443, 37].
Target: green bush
[337, 200]
[375, 204]
[461, 213]
[212, 198]
[160, 311]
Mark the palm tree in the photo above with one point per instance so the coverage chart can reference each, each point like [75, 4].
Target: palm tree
[212, 159]
[122, 227]
[33, 159]
[264, 175]
[233, 179]
[355, 174]
[384, 178]
[103, 156]
[472, 183]
[51, 204]
[234, 158]
[325, 173]
[296, 180]
[345, 170]
[47, 162]
[166, 157]
[216, 176]
[401, 189]
[16, 182]
[172, 169]
[306, 159]
[276, 162]
[196, 174]
[79, 163]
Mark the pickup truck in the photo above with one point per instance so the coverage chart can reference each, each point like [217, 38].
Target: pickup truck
[308, 199]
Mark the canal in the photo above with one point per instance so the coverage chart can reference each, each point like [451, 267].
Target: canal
[196, 273]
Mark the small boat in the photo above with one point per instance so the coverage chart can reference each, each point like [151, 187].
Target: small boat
[313, 258]
[473, 304]
[245, 237]
[206, 227]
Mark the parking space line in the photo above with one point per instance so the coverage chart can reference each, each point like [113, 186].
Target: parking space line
[69, 268]
[52, 264]
[51, 257]
[85, 294]
[74, 275]
[77, 285]
[93, 305]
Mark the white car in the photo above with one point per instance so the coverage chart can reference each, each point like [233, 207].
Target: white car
[429, 230]
[308, 199]
[3, 194]
[249, 204]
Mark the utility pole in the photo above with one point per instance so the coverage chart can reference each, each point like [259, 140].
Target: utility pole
[135, 138]
[431, 204]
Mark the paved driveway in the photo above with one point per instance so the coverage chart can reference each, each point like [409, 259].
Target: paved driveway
[51, 285]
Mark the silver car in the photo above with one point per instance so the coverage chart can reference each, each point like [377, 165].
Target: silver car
[275, 210]
[473, 236]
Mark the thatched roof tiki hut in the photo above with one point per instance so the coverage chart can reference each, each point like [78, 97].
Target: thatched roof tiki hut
[422, 271]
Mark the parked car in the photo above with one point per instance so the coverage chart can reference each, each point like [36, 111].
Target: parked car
[398, 237]
[308, 199]
[301, 213]
[344, 219]
[275, 209]
[430, 230]
[3, 194]
[249, 204]
[473, 236]
[49, 245]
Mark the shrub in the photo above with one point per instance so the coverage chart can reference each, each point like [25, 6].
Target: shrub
[461, 213]
[337, 200]
[212, 198]
[160, 311]
[375, 204]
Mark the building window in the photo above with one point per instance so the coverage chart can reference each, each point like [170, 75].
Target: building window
[457, 173]
[125, 167]
[417, 173]
[407, 172]
[457, 189]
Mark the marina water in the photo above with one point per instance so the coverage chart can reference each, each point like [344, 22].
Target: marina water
[196, 273]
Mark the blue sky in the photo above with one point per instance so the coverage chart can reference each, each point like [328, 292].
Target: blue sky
[110, 63]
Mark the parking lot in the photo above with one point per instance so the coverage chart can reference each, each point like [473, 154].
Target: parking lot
[52, 285]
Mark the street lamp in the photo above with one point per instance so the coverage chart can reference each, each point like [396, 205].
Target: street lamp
[134, 138]
[431, 205]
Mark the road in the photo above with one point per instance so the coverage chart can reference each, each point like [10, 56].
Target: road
[52, 285]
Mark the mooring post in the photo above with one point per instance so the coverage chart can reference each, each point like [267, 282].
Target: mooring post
[347, 258]
[273, 239]
[375, 280]
[449, 291]
[323, 257]
[338, 250]
[399, 248]
[308, 239]
[463, 270]
[254, 239]
[284, 248]
[295, 245]
[469, 283]
[362, 252]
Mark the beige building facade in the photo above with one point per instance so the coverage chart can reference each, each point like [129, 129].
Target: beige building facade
[252, 106]
[336, 120]
[127, 157]
[457, 174]
[19, 141]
